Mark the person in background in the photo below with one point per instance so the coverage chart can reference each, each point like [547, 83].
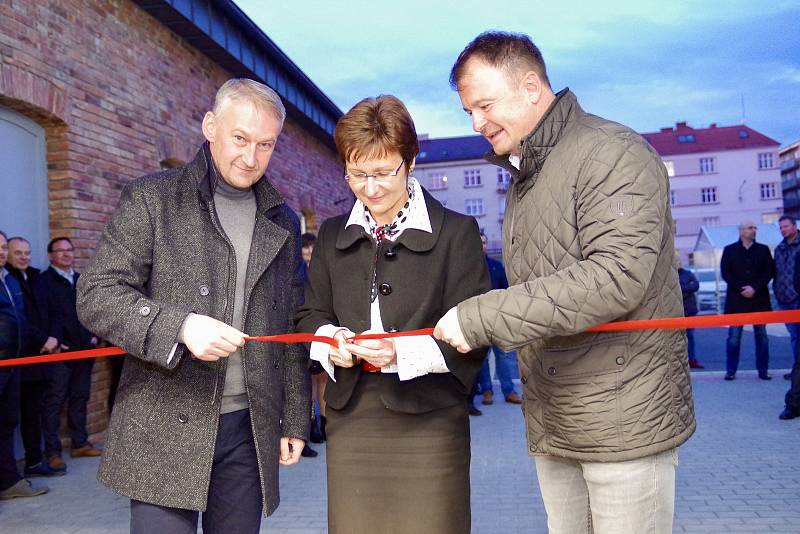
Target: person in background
[69, 381]
[747, 267]
[318, 376]
[38, 341]
[791, 409]
[689, 286]
[501, 358]
[786, 295]
[12, 330]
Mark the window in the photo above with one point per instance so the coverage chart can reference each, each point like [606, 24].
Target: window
[743, 134]
[766, 161]
[437, 180]
[503, 179]
[706, 165]
[673, 198]
[670, 165]
[770, 218]
[769, 190]
[688, 138]
[710, 221]
[474, 206]
[708, 195]
[472, 177]
[502, 208]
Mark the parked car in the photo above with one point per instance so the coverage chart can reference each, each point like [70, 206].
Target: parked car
[711, 295]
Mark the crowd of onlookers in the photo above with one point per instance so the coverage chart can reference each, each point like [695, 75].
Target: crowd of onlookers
[748, 267]
[38, 316]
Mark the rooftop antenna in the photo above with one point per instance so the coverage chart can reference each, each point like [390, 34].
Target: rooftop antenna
[744, 114]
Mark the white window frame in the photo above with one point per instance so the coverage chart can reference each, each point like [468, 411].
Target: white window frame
[768, 190]
[707, 165]
[766, 160]
[472, 178]
[437, 180]
[474, 207]
[708, 195]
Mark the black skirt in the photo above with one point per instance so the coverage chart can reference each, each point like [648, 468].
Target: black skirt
[397, 473]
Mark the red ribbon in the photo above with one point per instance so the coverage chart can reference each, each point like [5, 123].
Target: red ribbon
[670, 323]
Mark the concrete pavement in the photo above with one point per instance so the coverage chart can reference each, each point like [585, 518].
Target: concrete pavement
[739, 473]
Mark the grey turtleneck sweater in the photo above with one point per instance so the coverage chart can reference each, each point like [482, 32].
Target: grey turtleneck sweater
[236, 210]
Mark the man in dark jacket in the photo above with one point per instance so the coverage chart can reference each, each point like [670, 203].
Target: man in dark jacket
[689, 286]
[193, 258]
[70, 381]
[12, 330]
[786, 256]
[747, 267]
[792, 399]
[38, 340]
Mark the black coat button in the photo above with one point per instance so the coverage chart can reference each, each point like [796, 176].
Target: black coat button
[204, 290]
[551, 371]
[182, 418]
[385, 289]
[524, 379]
[620, 360]
[390, 253]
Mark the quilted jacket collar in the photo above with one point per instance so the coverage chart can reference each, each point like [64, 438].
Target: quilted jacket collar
[207, 176]
[538, 144]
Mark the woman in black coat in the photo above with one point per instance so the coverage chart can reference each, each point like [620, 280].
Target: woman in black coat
[398, 431]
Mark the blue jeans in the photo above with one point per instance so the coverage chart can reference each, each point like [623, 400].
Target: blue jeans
[762, 348]
[690, 343]
[502, 369]
[793, 328]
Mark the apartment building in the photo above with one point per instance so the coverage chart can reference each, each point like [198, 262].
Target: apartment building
[455, 173]
[790, 178]
[718, 175]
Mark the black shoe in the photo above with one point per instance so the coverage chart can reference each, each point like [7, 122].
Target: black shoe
[43, 470]
[473, 410]
[316, 435]
[788, 413]
[787, 376]
[308, 452]
[730, 377]
[764, 376]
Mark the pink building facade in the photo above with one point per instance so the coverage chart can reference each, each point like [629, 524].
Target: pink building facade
[718, 176]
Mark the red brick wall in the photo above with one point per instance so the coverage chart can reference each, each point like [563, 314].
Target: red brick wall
[117, 93]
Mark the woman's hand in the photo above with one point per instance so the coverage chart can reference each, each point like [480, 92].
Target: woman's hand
[378, 352]
[341, 356]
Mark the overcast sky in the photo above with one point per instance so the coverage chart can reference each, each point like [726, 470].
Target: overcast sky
[638, 62]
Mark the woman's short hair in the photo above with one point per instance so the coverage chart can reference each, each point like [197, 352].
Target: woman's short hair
[376, 127]
[256, 92]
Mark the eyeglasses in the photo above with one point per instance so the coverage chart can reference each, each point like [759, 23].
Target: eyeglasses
[359, 178]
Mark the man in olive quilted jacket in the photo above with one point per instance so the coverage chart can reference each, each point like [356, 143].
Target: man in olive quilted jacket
[587, 239]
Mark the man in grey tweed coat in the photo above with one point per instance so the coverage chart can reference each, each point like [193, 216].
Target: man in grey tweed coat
[194, 259]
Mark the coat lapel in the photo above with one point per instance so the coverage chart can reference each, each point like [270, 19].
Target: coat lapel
[268, 235]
